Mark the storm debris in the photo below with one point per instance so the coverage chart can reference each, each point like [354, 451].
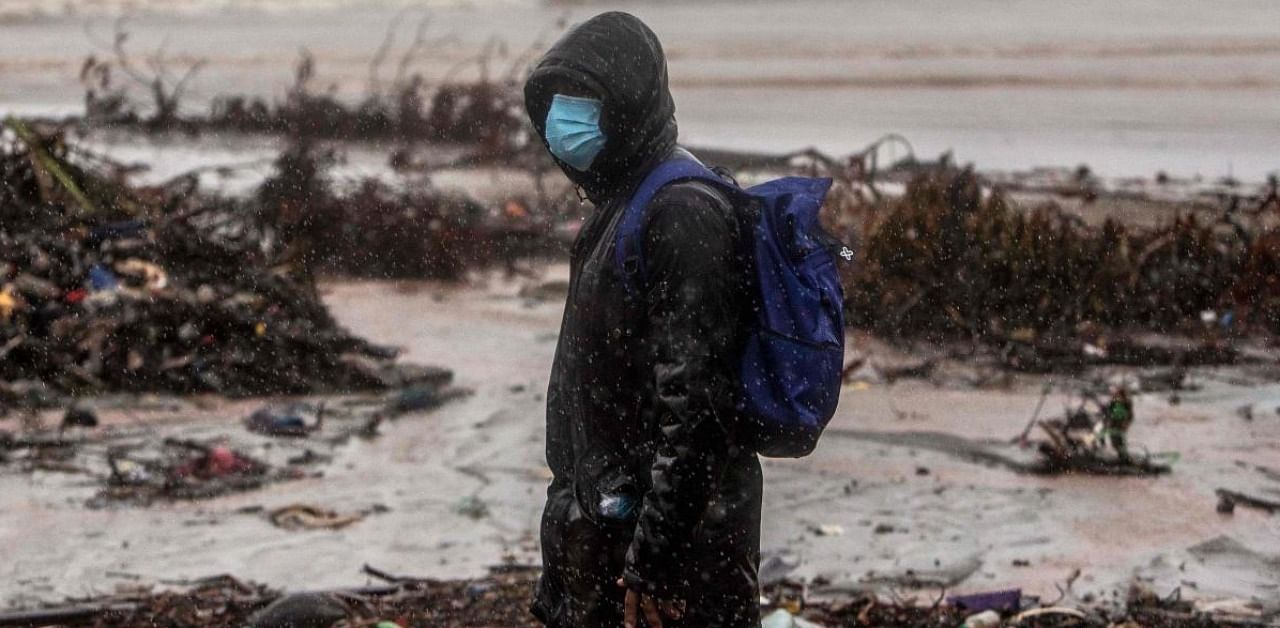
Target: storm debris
[953, 258]
[501, 599]
[118, 288]
[1093, 443]
[309, 517]
[485, 112]
[1227, 500]
[185, 470]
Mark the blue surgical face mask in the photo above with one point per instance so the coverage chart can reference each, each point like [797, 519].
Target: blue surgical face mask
[573, 130]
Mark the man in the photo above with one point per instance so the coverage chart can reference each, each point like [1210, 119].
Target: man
[653, 513]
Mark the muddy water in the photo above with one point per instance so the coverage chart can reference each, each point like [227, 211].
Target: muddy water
[1129, 88]
[908, 500]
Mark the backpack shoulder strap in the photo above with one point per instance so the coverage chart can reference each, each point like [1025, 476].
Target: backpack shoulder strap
[628, 250]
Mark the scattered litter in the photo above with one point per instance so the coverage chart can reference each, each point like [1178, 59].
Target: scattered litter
[501, 599]
[828, 529]
[308, 517]
[420, 398]
[1094, 442]
[1227, 500]
[184, 470]
[1007, 601]
[783, 619]
[1049, 611]
[985, 619]
[286, 422]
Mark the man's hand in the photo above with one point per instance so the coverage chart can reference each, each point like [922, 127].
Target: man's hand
[653, 608]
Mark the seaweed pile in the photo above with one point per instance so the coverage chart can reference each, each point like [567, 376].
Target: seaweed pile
[952, 258]
[108, 287]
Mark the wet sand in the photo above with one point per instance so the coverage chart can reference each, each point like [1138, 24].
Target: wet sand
[963, 524]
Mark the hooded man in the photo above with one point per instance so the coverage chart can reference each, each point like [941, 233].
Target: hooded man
[653, 513]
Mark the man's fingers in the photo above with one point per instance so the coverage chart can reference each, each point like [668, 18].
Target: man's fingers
[629, 609]
[651, 613]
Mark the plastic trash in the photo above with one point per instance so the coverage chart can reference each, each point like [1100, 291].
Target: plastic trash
[153, 277]
[101, 279]
[781, 618]
[1008, 600]
[985, 619]
[277, 423]
[219, 461]
[128, 473]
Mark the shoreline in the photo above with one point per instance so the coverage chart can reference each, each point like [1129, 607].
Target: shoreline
[989, 86]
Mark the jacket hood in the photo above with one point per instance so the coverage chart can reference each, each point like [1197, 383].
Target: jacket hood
[616, 58]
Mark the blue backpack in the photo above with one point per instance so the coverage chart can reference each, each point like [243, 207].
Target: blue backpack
[790, 372]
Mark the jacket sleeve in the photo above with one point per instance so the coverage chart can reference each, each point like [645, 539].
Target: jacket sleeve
[694, 295]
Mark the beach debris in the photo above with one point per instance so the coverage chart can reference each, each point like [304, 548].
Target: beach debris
[184, 470]
[501, 599]
[121, 288]
[1228, 499]
[301, 610]
[985, 619]
[1005, 600]
[828, 529]
[1043, 289]
[309, 517]
[483, 113]
[1059, 613]
[1093, 442]
[286, 422]
[419, 397]
[781, 618]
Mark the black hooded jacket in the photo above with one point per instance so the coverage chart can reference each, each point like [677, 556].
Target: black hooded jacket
[640, 402]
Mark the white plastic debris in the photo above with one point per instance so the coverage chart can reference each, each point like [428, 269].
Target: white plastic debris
[1238, 607]
[985, 619]
[783, 619]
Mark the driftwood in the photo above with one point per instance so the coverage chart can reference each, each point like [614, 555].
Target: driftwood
[1228, 498]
